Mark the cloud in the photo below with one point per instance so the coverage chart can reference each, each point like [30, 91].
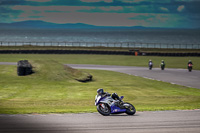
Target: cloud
[28, 9]
[92, 9]
[145, 1]
[186, 0]
[164, 9]
[112, 8]
[11, 2]
[106, 1]
[132, 1]
[39, 0]
[180, 8]
[160, 20]
[7, 15]
[163, 13]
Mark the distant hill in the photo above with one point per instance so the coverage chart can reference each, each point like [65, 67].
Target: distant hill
[47, 25]
[36, 24]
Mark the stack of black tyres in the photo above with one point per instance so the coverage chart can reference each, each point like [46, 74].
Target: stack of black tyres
[24, 68]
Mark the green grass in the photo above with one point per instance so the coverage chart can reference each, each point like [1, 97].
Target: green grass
[171, 62]
[52, 70]
[59, 92]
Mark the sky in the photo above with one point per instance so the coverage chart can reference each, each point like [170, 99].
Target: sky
[147, 13]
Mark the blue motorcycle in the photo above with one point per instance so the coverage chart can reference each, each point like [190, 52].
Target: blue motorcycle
[107, 105]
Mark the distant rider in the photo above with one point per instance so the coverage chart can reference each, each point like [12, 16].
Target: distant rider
[150, 64]
[162, 64]
[190, 64]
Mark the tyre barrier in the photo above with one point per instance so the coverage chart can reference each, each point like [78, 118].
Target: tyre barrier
[65, 52]
[170, 54]
[94, 52]
[24, 68]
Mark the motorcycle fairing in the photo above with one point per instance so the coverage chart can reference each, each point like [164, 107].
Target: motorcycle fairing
[101, 99]
[115, 109]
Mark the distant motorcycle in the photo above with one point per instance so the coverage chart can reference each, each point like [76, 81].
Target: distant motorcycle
[107, 105]
[150, 65]
[189, 67]
[162, 65]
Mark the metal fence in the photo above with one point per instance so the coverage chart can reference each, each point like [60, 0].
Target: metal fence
[104, 44]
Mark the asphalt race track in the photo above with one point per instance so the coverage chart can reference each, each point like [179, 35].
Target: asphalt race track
[142, 122]
[174, 76]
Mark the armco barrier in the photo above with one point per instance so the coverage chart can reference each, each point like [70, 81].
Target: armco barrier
[104, 44]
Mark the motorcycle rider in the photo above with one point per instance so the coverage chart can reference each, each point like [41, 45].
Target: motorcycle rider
[100, 92]
[190, 62]
[163, 61]
[150, 64]
[162, 64]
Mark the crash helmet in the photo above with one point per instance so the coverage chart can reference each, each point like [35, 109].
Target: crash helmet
[162, 60]
[150, 60]
[100, 91]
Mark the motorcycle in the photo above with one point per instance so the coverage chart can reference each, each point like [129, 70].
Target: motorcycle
[107, 105]
[162, 65]
[189, 67]
[150, 65]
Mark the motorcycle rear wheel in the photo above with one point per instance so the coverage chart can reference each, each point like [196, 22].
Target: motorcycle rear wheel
[131, 110]
[103, 111]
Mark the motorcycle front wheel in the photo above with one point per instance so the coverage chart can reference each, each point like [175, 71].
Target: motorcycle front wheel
[103, 109]
[130, 110]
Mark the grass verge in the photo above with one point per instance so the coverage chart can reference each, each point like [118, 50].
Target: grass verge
[49, 91]
[160, 50]
[141, 61]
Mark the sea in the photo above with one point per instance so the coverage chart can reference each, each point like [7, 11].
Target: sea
[150, 38]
